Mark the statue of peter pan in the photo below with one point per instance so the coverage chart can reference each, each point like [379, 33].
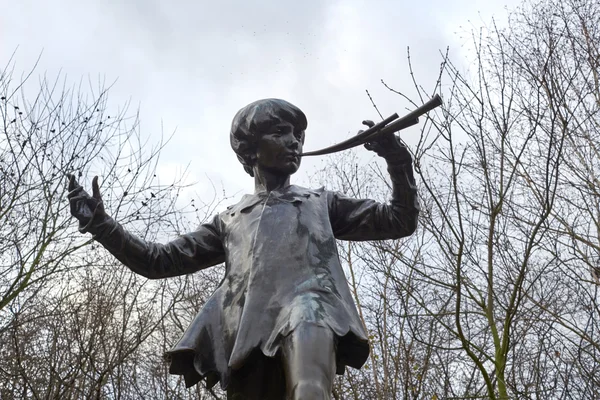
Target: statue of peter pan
[282, 322]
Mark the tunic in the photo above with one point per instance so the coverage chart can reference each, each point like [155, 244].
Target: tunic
[281, 269]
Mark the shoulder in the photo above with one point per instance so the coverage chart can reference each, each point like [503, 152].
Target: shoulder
[306, 192]
[247, 201]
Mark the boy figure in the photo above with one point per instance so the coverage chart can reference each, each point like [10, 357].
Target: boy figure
[283, 321]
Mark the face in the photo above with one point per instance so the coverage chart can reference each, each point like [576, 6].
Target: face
[279, 147]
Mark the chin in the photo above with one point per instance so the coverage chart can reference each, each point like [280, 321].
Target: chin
[293, 169]
[286, 169]
[289, 168]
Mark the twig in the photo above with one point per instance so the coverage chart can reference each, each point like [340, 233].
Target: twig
[374, 105]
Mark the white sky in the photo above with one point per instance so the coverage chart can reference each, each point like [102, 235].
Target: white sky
[190, 65]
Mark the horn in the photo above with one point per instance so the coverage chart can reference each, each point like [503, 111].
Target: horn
[391, 124]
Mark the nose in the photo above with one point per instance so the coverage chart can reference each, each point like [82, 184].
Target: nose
[293, 142]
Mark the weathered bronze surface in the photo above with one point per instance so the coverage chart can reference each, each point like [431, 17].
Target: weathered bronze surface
[283, 321]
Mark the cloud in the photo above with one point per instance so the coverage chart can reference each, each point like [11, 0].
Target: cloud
[191, 65]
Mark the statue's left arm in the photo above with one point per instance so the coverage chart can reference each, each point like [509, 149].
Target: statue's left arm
[365, 219]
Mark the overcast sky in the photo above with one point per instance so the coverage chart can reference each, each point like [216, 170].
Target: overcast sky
[190, 65]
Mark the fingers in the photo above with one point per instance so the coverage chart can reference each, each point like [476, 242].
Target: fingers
[96, 188]
[74, 187]
[383, 143]
[368, 123]
[369, 145]
[81, 197]
[75, 203]
[72, 182]
[375, 147]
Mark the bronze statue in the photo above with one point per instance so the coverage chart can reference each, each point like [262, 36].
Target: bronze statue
[282, 322]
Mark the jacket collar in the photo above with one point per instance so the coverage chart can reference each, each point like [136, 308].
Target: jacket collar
[291, 194]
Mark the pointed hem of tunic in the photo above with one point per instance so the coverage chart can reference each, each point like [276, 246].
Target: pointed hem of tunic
[195, 365]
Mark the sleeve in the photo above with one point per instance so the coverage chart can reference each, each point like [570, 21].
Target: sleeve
[188, 253]
[356, 219]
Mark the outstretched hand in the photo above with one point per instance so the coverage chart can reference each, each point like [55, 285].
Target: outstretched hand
[83, 206]
[387, 145]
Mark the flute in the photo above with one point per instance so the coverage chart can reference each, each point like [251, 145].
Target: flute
[391, 124]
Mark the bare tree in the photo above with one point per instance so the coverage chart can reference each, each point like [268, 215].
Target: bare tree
[566, 39]
[54, 132]
[496, 296]
[74, 323]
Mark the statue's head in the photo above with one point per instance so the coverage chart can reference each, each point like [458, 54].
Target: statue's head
[273, 117]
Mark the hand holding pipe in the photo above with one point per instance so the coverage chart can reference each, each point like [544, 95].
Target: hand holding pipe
[388, 125]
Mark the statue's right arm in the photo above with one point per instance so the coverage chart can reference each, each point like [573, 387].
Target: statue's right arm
[186, 254]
